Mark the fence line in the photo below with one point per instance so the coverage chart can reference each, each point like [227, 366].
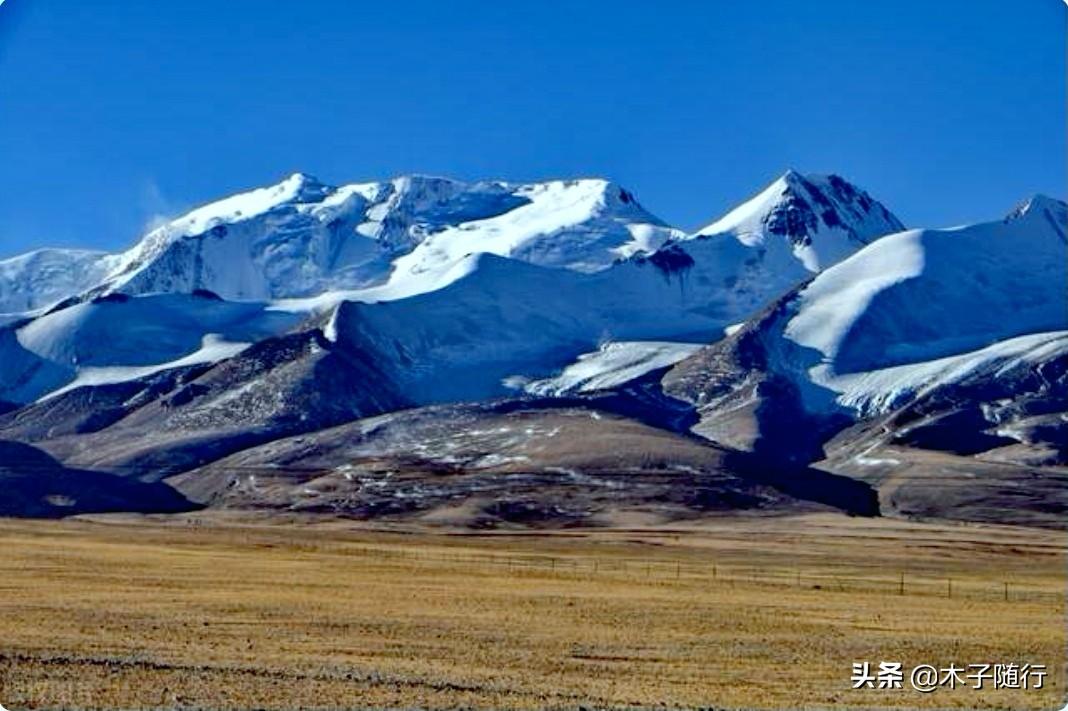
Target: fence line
[893, 582]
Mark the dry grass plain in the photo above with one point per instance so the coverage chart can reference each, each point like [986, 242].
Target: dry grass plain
[228, 614]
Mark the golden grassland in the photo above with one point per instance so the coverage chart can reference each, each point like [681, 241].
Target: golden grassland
[734, 612]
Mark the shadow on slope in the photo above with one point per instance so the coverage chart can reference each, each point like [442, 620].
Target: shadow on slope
[751, 394]
[787, 439]
[854, 497]
[37, 486]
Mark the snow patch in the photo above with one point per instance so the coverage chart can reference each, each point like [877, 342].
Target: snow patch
[879, 391]
[212, 350]
[612, 365]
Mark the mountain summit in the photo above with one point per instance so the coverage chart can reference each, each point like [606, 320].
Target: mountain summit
[413, 234]
[441, 277]
[301, 238]
[819, 219]
[1052, 212]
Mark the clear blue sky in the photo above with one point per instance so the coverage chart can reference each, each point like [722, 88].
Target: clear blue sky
[113, 112]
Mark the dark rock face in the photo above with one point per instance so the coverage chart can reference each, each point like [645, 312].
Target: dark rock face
[1053, 212]
[670, 259]
[169, 422]
[809, 204]
[64, 304]
[847, 193]
[744, 402]
[1023, 407]
[115, 297]
[91, 409]
[794, 219]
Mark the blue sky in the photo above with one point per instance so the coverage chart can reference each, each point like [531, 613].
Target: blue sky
[115, 113]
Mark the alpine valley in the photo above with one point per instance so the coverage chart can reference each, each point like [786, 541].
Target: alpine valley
[550, 354]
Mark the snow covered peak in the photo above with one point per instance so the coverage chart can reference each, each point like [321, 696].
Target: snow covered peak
[301, 237]
[297, 188]
[925, 294]
[420, 191]
[912, 311]
[300, 183]
[1042, 207]
[821, 219]
[1038, 201]
[582, 225]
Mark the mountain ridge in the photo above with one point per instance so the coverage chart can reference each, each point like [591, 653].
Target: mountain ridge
[779, 338]
[301, 237]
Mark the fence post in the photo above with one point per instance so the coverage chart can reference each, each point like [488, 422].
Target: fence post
[901, 584]
[678, 570]
[1006, 592]
[949, 588]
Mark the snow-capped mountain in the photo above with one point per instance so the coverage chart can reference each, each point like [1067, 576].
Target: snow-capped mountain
[816, 220]
[504, 318]
[118, 338]
[302, 238]
[277, 313]
[43, 277]
[796, 226]
[396, 238]
[457, 286]
[490, 320]
[911, 313]
[926, 294]
[458, 330]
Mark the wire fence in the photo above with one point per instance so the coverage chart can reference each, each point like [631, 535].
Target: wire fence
[660, 571]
